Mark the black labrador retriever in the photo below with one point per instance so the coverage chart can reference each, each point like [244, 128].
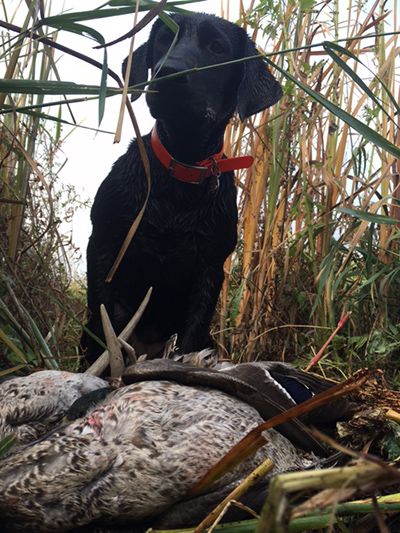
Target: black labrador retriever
[189, 225]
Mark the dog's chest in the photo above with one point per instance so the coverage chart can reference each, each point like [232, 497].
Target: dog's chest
[168, 232]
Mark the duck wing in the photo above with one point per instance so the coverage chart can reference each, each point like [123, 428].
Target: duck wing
[301, 386]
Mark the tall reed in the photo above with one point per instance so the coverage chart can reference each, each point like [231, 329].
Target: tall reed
[319, 209]
[318, 212]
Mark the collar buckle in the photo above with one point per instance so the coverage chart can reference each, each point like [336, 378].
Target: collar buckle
[193, 174]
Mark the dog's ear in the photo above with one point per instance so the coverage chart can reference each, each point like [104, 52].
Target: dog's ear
[258, 88]
[139, 69]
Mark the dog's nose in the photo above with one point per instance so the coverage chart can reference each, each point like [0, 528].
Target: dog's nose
[173, 66]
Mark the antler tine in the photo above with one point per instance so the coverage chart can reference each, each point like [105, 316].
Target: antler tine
[102, 362]
[129, 350]
[130, 327]
[114, 349]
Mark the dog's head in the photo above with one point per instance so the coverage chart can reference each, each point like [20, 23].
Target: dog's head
[212, 94]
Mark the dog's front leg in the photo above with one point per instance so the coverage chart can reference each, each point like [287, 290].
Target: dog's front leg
[202, 302]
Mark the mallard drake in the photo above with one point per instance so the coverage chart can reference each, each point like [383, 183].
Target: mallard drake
[143, 448]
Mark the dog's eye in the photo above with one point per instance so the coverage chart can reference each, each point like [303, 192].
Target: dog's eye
[216, 47]
[166, 38]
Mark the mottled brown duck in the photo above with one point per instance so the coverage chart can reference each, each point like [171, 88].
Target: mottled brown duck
[31, 406]
[137, 454]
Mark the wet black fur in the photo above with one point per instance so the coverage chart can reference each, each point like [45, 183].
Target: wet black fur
[187, 230]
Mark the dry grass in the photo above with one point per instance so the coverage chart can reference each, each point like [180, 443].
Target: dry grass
[317, 213]
[40, 303]
[303, 261]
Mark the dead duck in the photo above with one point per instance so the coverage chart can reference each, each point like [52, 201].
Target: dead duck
[31, 406]
[268, 386]
[139, 453]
